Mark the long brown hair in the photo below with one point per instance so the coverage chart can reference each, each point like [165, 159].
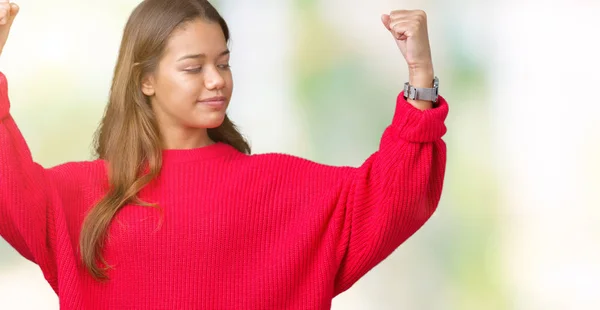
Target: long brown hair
[128, 137]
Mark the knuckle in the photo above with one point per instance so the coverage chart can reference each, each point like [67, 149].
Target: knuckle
[420, 15]
[397, 13]
[420, 19]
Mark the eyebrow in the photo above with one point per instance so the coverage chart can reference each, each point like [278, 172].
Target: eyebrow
[201, 55]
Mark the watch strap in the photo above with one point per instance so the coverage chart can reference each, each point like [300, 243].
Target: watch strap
[418, 93]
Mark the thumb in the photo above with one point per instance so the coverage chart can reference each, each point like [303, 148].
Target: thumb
[385, 18]
[14, 9]
[10, 14]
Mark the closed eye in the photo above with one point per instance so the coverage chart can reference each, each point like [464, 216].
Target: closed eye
[193, 70]
[198, 69]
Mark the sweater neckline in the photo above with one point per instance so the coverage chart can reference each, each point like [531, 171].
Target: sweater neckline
[214, 150]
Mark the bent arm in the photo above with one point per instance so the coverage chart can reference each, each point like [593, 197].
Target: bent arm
[391, 196]
[24, 205]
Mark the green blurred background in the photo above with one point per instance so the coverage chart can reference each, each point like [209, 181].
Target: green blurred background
[318, 78]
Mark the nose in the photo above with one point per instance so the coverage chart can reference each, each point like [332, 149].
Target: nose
[213, 79]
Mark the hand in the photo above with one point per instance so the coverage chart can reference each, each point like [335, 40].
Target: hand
[8, 12]
[409, 28]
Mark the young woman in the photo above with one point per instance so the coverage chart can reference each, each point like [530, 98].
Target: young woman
[176, 214]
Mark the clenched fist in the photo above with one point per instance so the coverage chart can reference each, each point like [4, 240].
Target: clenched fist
[8, 12]
[409, 29]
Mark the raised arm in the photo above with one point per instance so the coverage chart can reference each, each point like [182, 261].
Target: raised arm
[391, 196]
[397, 189]
[24, 188]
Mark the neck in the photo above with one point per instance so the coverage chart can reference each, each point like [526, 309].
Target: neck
[185, 138]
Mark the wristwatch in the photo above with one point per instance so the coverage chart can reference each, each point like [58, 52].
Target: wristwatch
[428, 94]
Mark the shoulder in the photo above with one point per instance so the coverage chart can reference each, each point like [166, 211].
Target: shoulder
[78, 167]
[295, 167]
[79, 173]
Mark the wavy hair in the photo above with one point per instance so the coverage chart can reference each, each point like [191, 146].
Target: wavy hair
[128, 137]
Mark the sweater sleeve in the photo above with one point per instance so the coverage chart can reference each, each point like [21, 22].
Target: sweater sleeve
[397, 189]
[25, 215]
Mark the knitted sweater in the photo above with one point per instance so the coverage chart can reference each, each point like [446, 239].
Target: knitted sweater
[268, 231]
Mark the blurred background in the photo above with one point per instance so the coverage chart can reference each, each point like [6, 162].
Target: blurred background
[516, 226]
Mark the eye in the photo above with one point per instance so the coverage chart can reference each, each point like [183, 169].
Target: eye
[224, 66]
[193, 70]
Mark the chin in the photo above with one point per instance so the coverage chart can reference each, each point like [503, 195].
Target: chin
[212, 121]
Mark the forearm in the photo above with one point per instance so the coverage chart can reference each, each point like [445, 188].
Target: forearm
[421, 77]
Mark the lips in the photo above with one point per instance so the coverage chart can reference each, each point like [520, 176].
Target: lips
[214, 101]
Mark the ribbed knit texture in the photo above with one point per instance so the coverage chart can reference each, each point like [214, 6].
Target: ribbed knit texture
[268, 231]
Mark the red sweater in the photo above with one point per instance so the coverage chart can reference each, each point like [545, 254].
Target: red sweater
[268, 231]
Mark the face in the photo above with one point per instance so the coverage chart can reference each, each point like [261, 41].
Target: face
[192, 85]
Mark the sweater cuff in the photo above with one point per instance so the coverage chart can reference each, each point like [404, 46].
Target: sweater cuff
[4, 103]
[418, 126]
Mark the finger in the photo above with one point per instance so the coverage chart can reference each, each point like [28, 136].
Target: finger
[385, 18]
[14, 10]
[4, 12]
[403, 29]
[8, 12]
[399, 14]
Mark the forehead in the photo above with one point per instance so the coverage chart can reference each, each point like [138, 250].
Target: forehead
[197, 36]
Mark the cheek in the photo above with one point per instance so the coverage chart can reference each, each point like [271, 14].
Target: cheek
[179, 89]
[228, 84]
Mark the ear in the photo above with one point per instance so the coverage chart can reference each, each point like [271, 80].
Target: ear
[148, 85]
